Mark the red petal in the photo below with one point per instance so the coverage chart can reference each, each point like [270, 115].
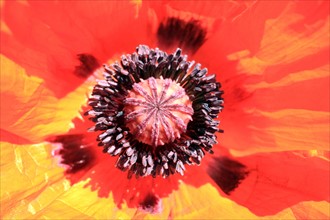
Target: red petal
[104, 178]
[275, 75]
[206, 16]
[46, 37]
[279, 180]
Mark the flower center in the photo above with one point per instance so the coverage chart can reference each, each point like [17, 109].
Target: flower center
[157, 111]
[150, 99]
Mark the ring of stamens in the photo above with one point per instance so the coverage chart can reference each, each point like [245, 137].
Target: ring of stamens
[156, 113]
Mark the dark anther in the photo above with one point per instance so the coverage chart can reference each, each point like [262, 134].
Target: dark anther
[188, 35]
[227, 173]
[88, 64]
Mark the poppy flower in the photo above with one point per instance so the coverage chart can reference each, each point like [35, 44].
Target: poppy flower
[271, 59]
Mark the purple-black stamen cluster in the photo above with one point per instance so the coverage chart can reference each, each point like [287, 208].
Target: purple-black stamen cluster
[108, 102]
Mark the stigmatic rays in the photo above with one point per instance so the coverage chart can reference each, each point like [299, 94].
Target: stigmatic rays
[155, 112]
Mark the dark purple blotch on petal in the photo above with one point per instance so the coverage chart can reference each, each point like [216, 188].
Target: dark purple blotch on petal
[175, 32]
[150, 203]
[227, 173]
[88, 64]
[75, 154]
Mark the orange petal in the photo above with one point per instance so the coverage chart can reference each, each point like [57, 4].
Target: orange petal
[262, 131]
[34, 187]
[205, 203]
[284, 36]
[311, 210]
[45, 193]
[29, 110]
[307, 89]
[297, 37]
[274, 74]
[289, 114]
[26, 171]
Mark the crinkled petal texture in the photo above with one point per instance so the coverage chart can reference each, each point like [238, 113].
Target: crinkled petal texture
[272, 59]
[33, 187]
[29, 111]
